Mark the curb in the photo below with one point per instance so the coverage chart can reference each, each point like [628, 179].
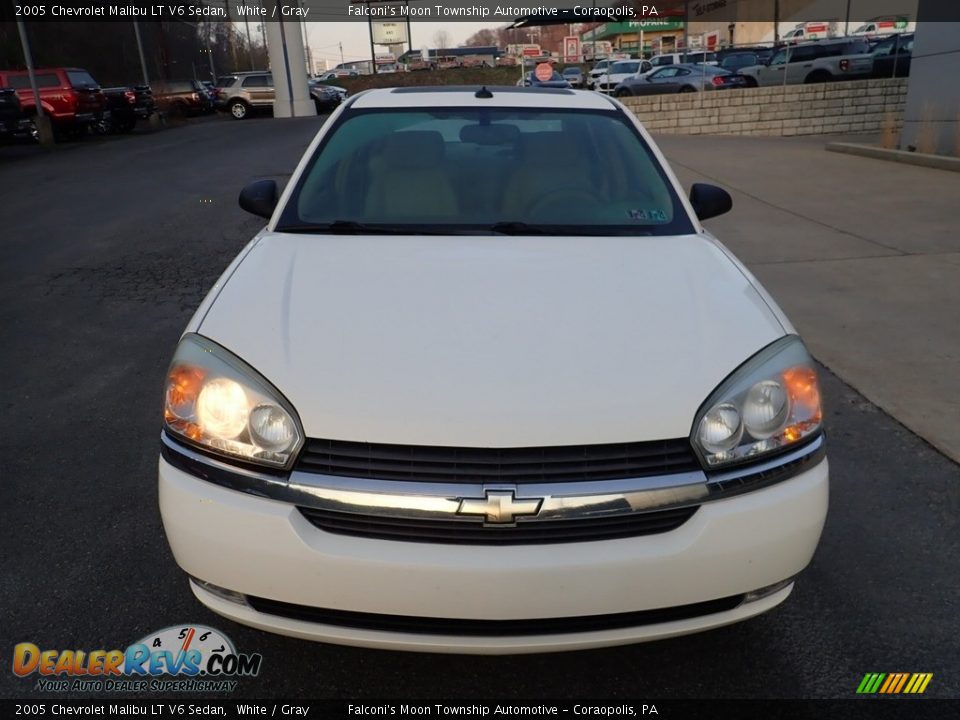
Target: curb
[938, 162]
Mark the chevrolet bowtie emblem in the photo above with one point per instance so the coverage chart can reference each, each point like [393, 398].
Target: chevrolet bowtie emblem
[500, 506]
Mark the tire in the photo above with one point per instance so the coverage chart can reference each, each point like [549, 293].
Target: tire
[239, 110]
[622, 93]
[751, 82]
[686, 89]
[818, 76]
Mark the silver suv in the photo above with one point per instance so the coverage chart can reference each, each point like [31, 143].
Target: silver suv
[239, 93]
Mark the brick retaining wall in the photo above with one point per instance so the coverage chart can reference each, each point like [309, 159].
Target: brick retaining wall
[860, 106]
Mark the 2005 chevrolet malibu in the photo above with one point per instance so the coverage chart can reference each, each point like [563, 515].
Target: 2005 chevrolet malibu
[484, 383]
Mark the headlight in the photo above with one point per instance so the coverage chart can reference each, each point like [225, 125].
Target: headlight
[216, 401]
[770, 402]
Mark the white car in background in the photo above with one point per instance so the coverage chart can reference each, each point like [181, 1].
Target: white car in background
[694, 57]
[620, 71]
[423, 412]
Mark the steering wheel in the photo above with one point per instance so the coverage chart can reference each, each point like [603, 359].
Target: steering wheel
[560, 201]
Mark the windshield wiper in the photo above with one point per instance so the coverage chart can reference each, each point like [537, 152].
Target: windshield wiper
[352, 227]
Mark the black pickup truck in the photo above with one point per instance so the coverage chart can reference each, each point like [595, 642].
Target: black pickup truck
[125, 105]
[13, 121]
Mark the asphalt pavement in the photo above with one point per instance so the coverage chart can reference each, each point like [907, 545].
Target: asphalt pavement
[108, 246]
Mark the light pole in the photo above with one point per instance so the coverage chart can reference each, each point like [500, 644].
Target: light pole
[41, 121]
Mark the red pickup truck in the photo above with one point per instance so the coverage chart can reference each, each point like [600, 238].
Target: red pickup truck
[71, 98]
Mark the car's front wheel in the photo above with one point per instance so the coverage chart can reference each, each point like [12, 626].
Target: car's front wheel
[239, 109]
[621, 92]
[687, 88]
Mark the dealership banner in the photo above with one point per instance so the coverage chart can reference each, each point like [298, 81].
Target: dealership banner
[180, 707]
[494, 11]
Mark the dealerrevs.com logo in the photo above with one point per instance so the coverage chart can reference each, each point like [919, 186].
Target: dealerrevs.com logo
[182, 658]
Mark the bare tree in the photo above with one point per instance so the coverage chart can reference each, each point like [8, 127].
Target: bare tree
[441, 38]
[482, 38]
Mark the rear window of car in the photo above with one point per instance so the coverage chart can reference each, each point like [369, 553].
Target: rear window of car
[467, 169]
[81, 79]
[44, 80]
[256, 81]
[741, 60]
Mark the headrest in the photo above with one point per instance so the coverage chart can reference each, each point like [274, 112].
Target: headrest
[411, 149]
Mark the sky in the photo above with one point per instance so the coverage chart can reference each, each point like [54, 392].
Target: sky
[325, 36]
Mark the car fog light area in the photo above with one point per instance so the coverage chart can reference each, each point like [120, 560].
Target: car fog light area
[769, 403]
[216, 401]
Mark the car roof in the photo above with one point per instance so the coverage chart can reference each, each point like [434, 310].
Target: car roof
[460, 96]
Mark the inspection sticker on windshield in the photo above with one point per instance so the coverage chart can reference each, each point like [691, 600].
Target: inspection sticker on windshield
[655, 215]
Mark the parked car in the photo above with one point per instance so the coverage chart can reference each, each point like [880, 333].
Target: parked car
[528, 468]
[694, 57]
[531, 80]
[126, 105]
[811, 62]
[600, 68]
[326, 97]
[334, 74]
[680, 79]
[620, 71]
[13, 121]
[574, 75]
[762, 52]
[734, 62]
[70, 97]
[892, 56]
[245, 92]
[183, 98]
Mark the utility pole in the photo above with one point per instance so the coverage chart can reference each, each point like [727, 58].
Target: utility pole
[143, 60]
[249, 42]
[42, 122]
[341, 54]
[373, 52]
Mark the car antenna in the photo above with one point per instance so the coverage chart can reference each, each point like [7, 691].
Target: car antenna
[483, 93]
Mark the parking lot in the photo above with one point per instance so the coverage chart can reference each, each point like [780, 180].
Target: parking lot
[110, 245]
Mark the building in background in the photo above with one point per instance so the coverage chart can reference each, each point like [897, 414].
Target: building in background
[656, 36]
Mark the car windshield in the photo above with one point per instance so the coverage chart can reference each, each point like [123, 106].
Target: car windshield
[225, 81]
[81, 79]
[624, 67]
[486, 170]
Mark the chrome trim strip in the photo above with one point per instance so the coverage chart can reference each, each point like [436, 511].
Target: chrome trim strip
[442, 501]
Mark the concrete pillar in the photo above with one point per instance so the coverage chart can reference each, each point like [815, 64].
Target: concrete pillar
[932, 115]
[289, 68]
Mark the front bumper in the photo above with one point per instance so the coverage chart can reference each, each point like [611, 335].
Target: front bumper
[267, 549]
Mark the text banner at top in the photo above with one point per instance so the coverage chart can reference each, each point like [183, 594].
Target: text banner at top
[499, 12]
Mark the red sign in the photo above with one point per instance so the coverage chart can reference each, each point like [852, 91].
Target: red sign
[544, 72]
[531, 52]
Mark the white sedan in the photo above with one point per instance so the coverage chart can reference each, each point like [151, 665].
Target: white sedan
[484, 383]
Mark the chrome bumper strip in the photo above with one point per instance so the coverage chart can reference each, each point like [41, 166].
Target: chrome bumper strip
[439, 501]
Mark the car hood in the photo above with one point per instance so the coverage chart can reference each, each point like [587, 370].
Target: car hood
[491, 341]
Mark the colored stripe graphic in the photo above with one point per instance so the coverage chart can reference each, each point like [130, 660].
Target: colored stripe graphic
[894, 683]
[871, 683]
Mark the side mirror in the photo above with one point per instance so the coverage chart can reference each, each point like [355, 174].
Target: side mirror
[259, 198]
[709, 200]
